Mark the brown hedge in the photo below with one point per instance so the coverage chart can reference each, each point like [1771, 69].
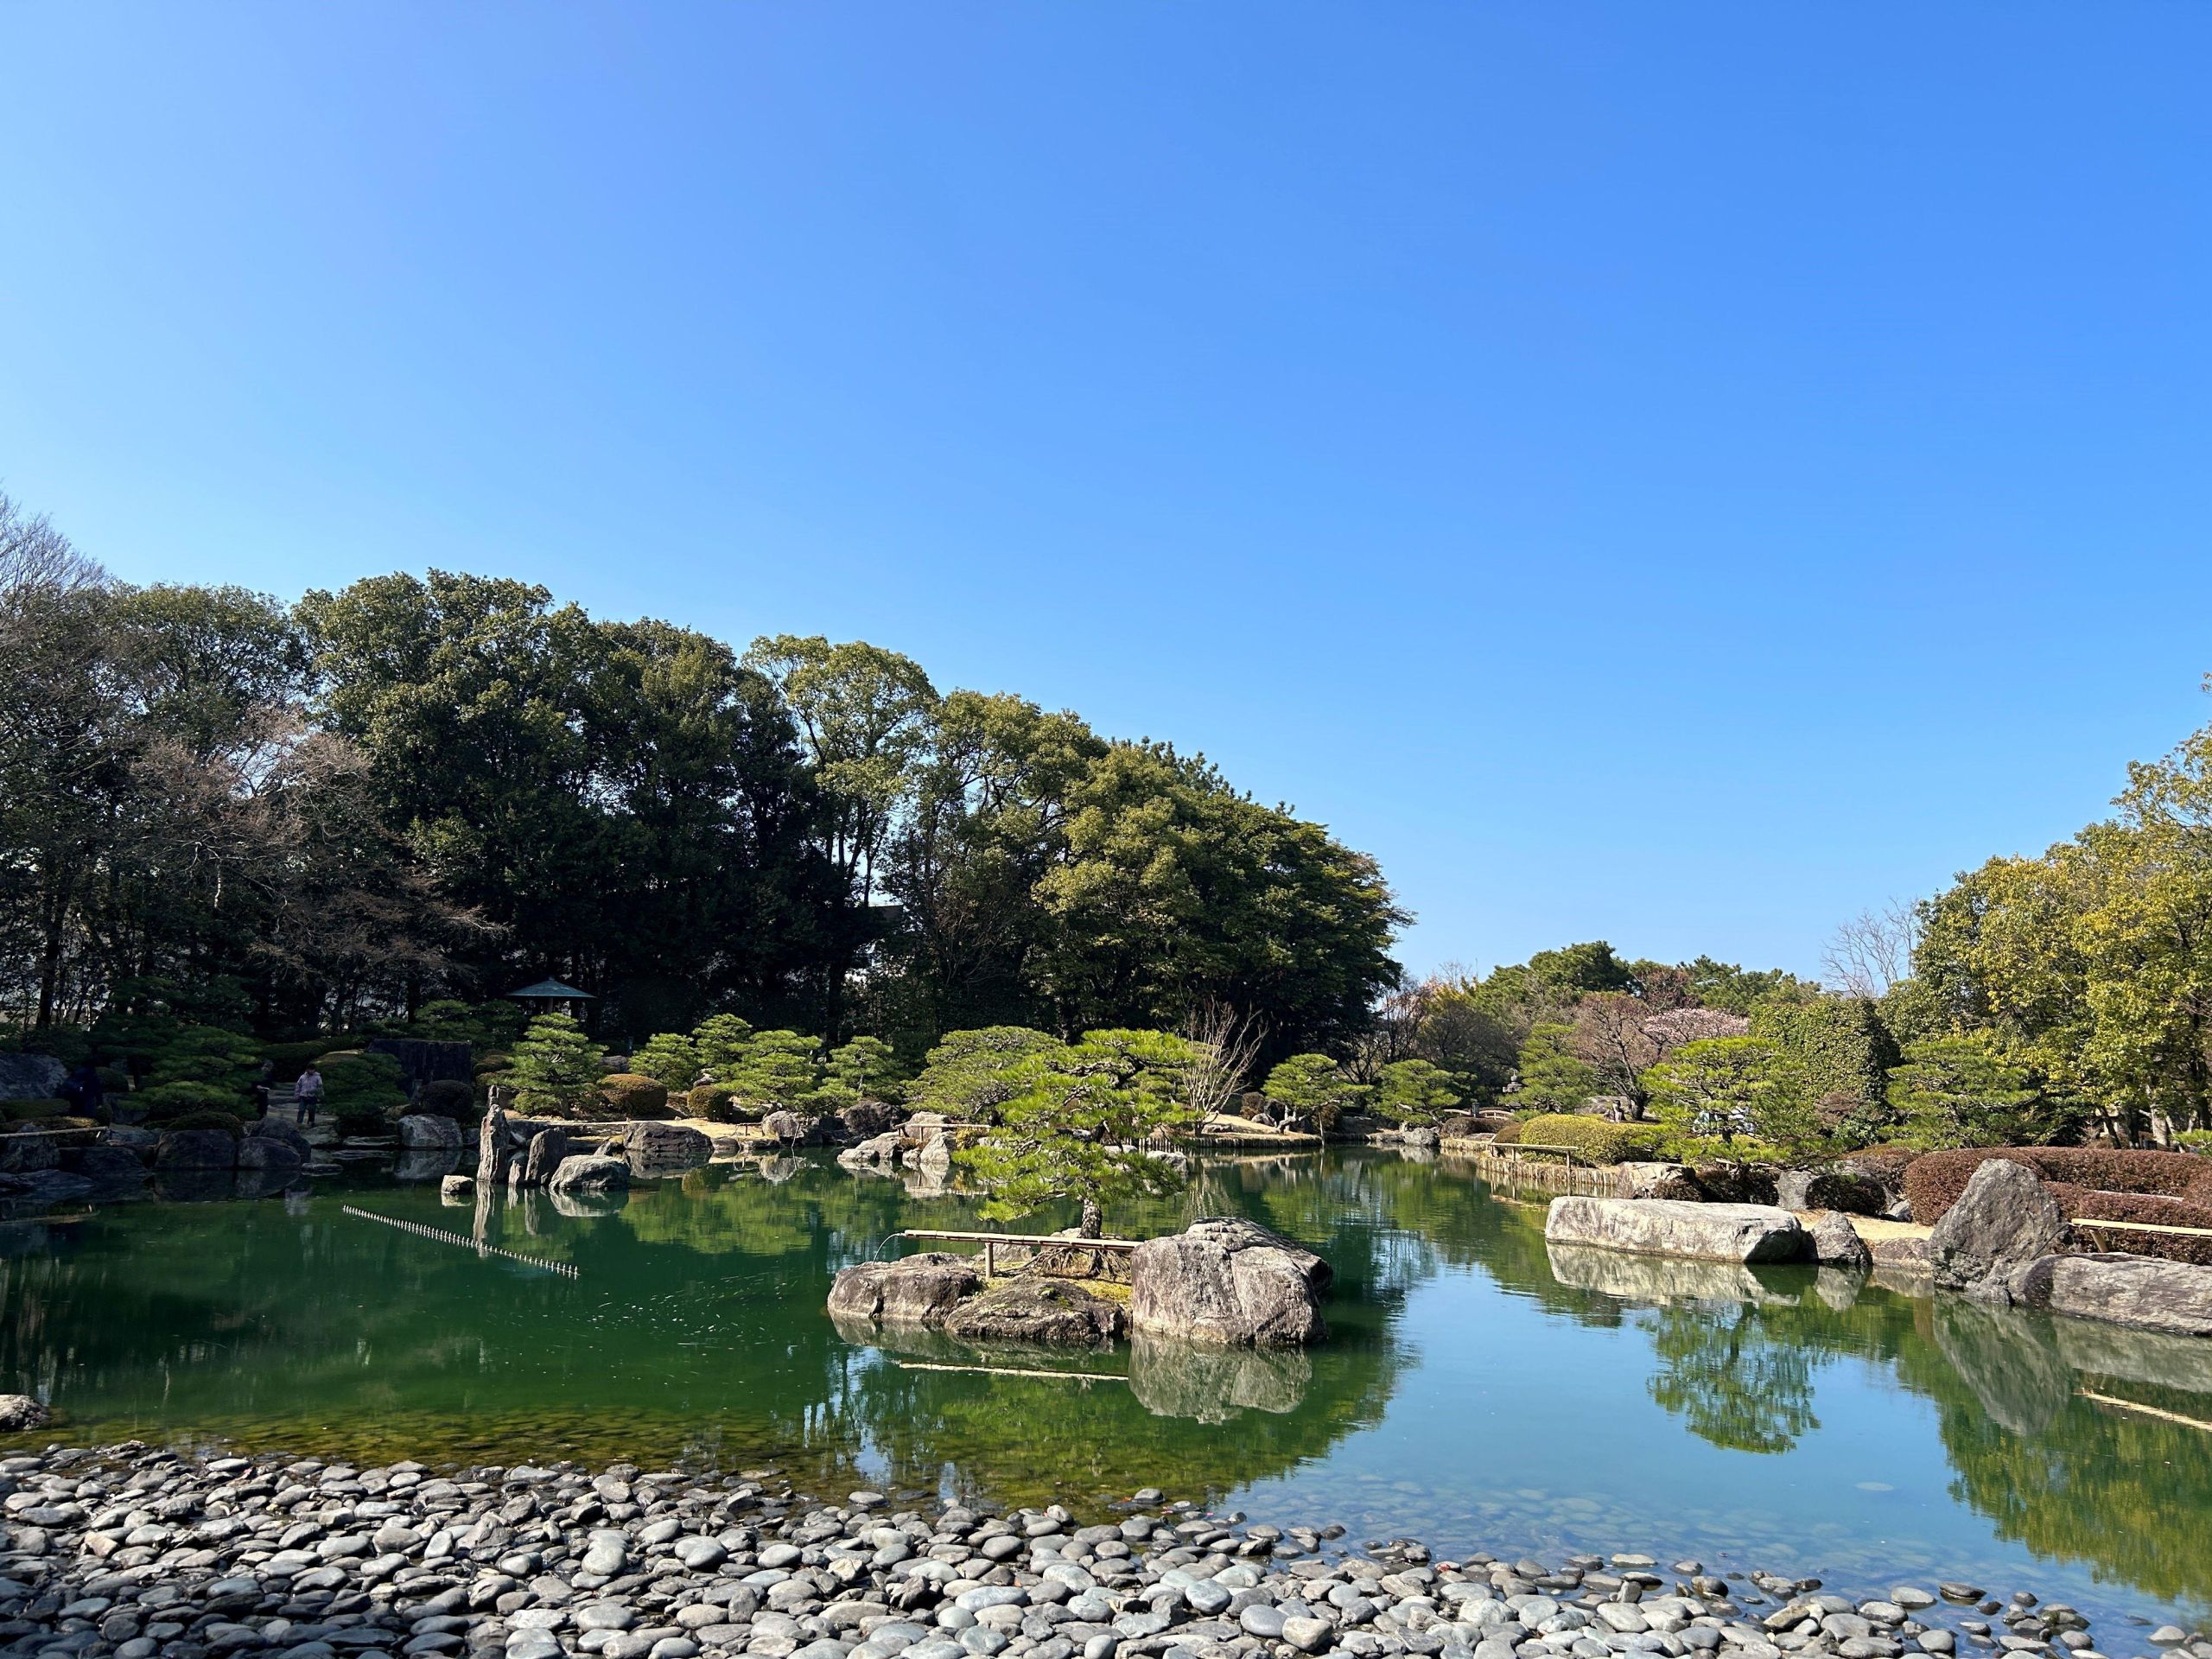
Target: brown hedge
[1934, 1182]
[2085, 1203]
[2166, 1189]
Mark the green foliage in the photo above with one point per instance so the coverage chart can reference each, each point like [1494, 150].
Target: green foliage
[1969, 1091]
[1173, 889]
[1728, 1098]
[362, 1085]
[27, 1111]
[2197, 1140]
[1415, 1092]
[1313, 1088]
[1576, 970]
[782, 1068]
[556, 1067]
[866, 1068]
[720, 1043]
[670, 1058]
[718, 1102]
[1598, 1141]
[1554, 1078]
[1841, 1052]
[165, 1101]
[447, 1097]
[630, 1094]
[971, 1074]
[226, 1121]
[1084, 1123]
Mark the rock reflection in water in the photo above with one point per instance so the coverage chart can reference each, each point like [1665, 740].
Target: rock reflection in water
[1212, 1385]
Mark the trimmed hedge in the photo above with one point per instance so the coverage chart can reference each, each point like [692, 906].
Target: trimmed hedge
[2082, 1203]
[27, 1112]
[716, 1102]
[1597, 1139]
[1934, 1180]
[631, 1094]
[2166, 1189]
[1509, 1135]
[447, 1097]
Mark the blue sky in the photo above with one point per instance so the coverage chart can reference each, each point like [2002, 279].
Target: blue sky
[1677, 474]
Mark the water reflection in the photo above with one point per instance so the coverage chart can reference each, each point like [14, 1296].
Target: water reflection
[1478, 1387]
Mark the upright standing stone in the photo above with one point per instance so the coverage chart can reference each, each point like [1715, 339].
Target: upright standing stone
[492, 1148]
[547, 1148]
[2005, 1219]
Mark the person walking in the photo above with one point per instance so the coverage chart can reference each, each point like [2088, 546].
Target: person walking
[308, 1091]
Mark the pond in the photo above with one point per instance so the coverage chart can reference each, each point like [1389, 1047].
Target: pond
[1478, 1391]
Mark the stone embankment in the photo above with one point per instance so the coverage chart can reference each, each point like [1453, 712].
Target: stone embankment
[132, 1553]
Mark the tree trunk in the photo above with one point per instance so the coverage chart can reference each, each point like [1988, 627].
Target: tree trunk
[1094, 1220]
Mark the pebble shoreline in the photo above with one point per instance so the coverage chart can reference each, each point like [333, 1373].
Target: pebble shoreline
[134, 1551]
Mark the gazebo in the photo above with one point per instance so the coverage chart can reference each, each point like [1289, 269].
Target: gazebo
[551, 996]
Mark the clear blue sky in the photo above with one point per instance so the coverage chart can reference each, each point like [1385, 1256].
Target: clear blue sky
[1673, 473]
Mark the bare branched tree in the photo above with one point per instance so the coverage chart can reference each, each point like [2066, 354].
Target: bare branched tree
[1872, 950]
[1228, 1043]
[34, 554]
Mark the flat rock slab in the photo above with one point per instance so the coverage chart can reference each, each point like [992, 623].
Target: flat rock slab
[1708, 1232]
[2140, 1290]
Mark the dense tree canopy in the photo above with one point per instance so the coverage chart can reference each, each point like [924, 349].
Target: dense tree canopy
[218, 808]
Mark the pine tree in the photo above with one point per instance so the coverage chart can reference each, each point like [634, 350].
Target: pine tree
[556, 1066]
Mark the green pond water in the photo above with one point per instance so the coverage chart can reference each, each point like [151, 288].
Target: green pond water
[1477, 1389]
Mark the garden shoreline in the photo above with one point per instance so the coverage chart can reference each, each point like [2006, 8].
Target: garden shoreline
[134, 1551]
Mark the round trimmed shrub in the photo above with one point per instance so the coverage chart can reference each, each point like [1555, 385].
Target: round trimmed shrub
[1509, 1135]
[716, 1102]
[631, 1094]
[165, 1102]
[447, 1097]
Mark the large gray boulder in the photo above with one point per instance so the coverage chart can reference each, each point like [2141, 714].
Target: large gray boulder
[265, 1152]
[1707, 1232]
[19, 1412]
[23, 1150]
[1228, 1280]
[197, 1149]
[1843, 1187]
[591, 1174]
[1836, 1243]
[549, 1148]
[787, 1126]
[671, 1146]
[104, 1163]
[1036, 1310]
[879, 1153]
[1642, 1180]
[2141, 1291]
[428, 1132]
[270, 1128]
[914, 1290]
[2005, 1219]
[934, 1160]
[31, 1076]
